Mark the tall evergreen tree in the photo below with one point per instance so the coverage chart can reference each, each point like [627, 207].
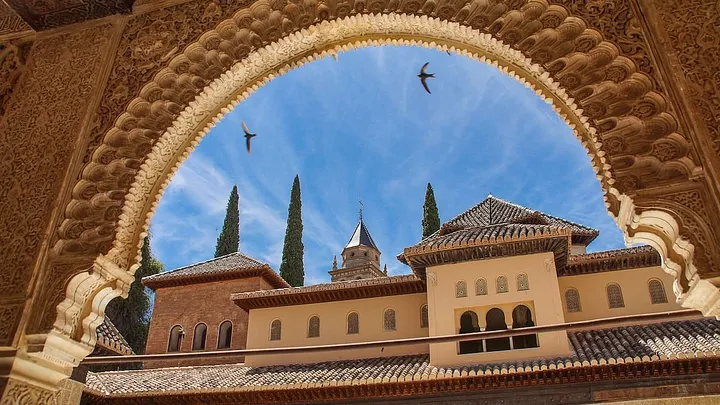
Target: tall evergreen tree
[431, 217]
[131, 316]
[229, 239]
[291, 268]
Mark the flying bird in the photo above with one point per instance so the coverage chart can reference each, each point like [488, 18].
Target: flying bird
[448, 52]
[335, 57]
[248, 136]
[423, 76]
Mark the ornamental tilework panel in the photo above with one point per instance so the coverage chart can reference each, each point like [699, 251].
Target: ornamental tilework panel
[389, 320]
[353, 323]
[424, 316]
[314, 327]
[460, 289]
[481, 287]
[501, 284]
[523, 284]
[41, 125]
[614, 296]
[657, 292]
[572, 300]
[276, 330]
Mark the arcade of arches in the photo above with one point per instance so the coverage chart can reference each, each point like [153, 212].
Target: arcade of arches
[101, 101]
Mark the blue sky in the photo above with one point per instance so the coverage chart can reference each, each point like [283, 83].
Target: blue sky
[364, 128]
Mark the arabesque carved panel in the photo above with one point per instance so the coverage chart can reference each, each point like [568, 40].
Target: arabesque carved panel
[39, 132]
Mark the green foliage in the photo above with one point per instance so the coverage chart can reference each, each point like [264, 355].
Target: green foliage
[431, 217]
[229, 239]
[131, 316]
[291, 268]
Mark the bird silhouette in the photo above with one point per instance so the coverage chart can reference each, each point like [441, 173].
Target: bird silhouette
[448, 52]
[335, 57]
[424, 76]
[248, 136]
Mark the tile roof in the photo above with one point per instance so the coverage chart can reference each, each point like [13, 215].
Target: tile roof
[111, 339]
[697, 338]
[494, 210]
[329, 292]
[361, 236]
[487, 241]
[234, 265]
[611, 260]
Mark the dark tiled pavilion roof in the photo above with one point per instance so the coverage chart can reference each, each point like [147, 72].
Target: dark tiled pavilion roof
[234, 265]
[109, 338]
[638, 344]
[494, 210]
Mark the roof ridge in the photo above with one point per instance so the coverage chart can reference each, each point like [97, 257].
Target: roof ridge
[204, 262]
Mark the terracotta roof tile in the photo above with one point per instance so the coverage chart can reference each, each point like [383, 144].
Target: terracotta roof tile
[640, 343]
[110, 338]
[232, 265]
[494, 210]
[610, 260]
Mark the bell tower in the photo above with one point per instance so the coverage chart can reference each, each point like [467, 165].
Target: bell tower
[360, 257]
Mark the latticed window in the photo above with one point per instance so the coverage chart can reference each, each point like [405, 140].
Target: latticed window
[460, 289]
[389, 319]
[353, 323]
[657, 292]
[615, 297]
[523, 284]
[275, 330]
[424, 316]
[501, 284]
[572, 300]
[314, 327]
[481, 287]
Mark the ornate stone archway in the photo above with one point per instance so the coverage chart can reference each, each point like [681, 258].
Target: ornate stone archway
[177, 69]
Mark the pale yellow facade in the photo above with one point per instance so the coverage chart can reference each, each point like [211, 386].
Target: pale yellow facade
[334, 329]
[592, 289]
[542, 297]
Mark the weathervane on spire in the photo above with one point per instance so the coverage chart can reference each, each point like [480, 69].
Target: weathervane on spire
[361, 207]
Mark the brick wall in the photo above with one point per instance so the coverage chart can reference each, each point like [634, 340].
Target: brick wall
[191, 304]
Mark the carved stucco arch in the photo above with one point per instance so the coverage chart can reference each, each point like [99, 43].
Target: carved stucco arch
[596, 90]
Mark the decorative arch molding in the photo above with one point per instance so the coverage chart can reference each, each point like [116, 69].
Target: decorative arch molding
[611, 107]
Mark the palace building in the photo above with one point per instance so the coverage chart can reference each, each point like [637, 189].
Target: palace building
[497, 266]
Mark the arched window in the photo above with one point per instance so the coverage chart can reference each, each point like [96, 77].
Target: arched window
[389, 319]
[501, 284]
[469, 324]
[614, 296]
[275, 330]
[657, 292]
[224, 335]
[522, 318]
[481, 287]
[572, 300]
[495, 320]
[460, 289]
[199, 337]
[314, 327]
[424, 316]
[523, 284]
[175, 339]
[353, 323]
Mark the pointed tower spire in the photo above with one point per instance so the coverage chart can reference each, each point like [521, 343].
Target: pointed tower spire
[334, 262]
[385, 269]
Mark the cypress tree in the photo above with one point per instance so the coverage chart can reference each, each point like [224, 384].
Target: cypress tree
[229, 239]
[131, 316]
[291, 268]
[431, 217]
